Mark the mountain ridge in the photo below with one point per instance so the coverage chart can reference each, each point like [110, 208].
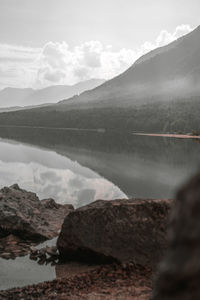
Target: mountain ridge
[149, 69]
[20, 97]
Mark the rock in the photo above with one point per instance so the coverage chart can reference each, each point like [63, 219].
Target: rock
[24, 215]
[33, 256]
[6, 255]
[118, 230]
[34, 251]
[42, 253]
[50, 203]
[15, 187]
[45, 255]
[13, 245]
[42, 260]
[52, 251]
[179, 273]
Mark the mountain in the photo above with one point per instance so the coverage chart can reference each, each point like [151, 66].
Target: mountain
[172, 70]
[160, 92]
[14, 97]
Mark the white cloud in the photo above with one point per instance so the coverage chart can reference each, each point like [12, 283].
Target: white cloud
[164, 38]
[18, 65]
[57, 63]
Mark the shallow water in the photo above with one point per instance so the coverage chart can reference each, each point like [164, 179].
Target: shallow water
[23, 271]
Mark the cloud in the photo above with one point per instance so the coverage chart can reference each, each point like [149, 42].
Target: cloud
[18, 65]
[57, 63]
[60, 64]
[164, 38]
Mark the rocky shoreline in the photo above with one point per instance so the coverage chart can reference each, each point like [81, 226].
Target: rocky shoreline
[104, 282]
[107, 249]
[25, 221]
[113, 242]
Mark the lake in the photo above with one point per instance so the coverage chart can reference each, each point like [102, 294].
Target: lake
[52, 175]
[80, 167]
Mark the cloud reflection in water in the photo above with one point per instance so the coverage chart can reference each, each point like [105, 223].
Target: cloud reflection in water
[51, 175]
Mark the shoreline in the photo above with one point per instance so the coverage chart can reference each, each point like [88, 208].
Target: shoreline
[169, 135]
[118, 263]
[109, 282]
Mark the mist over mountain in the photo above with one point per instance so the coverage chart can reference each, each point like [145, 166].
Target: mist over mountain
[160, 92]
[169, 71]
[13, 97]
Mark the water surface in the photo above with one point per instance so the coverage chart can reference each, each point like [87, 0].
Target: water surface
[80, 167]
[50, 174]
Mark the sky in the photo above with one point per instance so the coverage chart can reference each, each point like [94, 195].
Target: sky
[49, 42]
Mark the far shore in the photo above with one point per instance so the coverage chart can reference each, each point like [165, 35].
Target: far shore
[170, 135]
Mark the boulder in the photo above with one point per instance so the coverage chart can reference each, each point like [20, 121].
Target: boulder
[118, 230]
[24, 215]
[179, 273]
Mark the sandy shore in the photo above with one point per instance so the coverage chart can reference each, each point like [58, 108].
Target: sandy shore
[170, 135]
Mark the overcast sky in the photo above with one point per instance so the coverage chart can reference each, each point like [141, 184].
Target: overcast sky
[45, 42]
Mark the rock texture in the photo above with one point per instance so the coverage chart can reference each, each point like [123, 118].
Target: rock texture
[118, 230]
[179, 273]
[24, 215]
[11, 246]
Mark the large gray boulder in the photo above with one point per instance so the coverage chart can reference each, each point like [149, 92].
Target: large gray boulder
[24, 215]
[118, 230]
[179, 273]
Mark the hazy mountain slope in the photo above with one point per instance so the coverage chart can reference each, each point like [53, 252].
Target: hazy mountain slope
[14, 97]
[172, 70]
[27, 97]
[159, 93]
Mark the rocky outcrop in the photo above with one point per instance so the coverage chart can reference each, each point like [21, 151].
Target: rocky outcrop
[22, 214]
[179, 273]
[118, 230]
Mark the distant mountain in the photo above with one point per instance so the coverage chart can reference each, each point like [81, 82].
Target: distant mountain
[169, 71]
[160, 92]
[14, 97]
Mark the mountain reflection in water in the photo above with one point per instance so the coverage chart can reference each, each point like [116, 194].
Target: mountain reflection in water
[79, 167]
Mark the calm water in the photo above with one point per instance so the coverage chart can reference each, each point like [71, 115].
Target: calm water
[79, 167]
[51, 174]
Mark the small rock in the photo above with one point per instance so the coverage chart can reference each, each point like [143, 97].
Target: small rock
[34, 251]
[15, 187]
[52, 251]
[33, 257]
